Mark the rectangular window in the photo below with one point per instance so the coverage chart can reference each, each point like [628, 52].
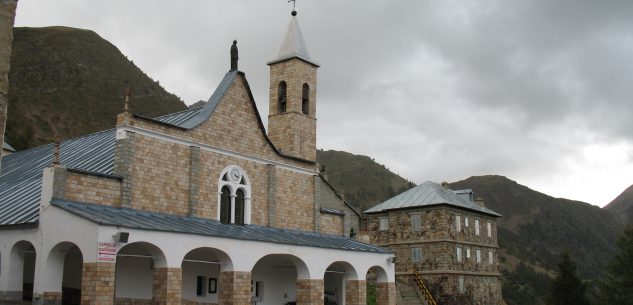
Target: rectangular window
[466, 221]
[477, 227]
[489, 227]
[459, 253]
[416, 222]
[384, 223]
[478, 256]
[467, 253]
[491, 258]
[458, 223]
[416, 255]
[462, 287]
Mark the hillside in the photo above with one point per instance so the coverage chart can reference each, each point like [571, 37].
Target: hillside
[536, 228]
[70, 82]
[622, 206]
[363, 181]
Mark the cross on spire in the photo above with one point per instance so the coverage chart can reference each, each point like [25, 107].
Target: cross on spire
[294, 7]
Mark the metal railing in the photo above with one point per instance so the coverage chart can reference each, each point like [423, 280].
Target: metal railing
[425, 291]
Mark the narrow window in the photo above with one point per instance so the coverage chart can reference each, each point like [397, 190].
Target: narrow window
[239, 208]
[466, 221]
[416, 255]
[459, 254]
[200, 286]
[491, 258]
[489, 228]
[305, 99]
[416, 222]
[462, 289]
[384, 224]
[281, 92]
[477, 227]
[225, 206]
[478, 256]
[467, 253]
[458, 223]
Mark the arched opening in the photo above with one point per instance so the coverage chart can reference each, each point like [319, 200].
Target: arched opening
[62, 274]
[201, 275]
[22, 271]
[378, 289]
[305, 99]
[341, 285]
[274, 279]
[282, 100]
[225, 205]
[234, 196]
[239, 207]
[136, 267]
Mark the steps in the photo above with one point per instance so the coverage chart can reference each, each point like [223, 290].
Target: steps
[408, 295]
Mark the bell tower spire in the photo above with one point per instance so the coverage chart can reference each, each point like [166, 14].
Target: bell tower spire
[292, 103]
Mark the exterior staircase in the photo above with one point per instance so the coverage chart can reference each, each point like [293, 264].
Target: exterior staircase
[409, 295]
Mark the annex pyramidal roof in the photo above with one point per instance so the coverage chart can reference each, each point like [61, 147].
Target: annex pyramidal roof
[294, 45]
[430, 194]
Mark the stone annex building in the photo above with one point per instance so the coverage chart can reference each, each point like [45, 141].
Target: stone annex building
[444, 242]
[196, 207]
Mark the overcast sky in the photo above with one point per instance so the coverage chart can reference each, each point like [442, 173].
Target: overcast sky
[538, 91]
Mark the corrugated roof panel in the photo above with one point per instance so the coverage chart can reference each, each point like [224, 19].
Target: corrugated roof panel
[179, 117]
[136, 219]
[21, 174]
[427, 194]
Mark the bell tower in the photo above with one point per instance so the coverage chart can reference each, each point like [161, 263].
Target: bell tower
[292, 103]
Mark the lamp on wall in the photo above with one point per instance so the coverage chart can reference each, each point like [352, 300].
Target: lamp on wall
[122, 237]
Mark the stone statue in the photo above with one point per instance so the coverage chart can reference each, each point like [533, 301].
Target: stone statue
[234, 56]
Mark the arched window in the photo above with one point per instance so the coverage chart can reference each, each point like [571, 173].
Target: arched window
[234, 196]
[281, 92]
[239, 207]
[225, 205]
[305, 99]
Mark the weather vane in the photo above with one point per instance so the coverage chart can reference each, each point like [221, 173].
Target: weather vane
[294, 7]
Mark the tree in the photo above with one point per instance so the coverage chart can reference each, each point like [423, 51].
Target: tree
[567, 288]
[617, 287]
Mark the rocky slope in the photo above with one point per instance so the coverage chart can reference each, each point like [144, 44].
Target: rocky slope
[70, 82]
[622, 206]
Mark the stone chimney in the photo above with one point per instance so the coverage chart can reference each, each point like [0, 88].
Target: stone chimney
[7, 17]
[445, 185]
[480, 202]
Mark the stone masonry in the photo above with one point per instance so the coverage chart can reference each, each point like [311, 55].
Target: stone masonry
[439, 239]
[7, 17]
[235, 288]
[310, 292]
[355, 292]
[97, 284]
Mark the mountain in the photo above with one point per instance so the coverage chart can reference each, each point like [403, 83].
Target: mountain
[622, 206]
[363, 181]
[69, 82]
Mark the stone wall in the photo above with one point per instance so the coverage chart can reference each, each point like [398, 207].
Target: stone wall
[93, 189]
[7, 17]
[294, 200]
[331, 224]
[97, 284]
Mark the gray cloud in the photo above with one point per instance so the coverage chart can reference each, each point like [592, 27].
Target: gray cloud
[435, 90]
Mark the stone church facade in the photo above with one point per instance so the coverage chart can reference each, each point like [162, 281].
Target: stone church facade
[447, 237]
[196, 207]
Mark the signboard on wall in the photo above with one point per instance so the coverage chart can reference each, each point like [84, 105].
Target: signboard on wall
[106, 252]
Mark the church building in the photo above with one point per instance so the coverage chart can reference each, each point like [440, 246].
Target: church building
[201, 206]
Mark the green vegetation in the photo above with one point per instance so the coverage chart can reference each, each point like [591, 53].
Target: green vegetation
[70, 82]
[618, 280]
[567, 288]
[371, 293]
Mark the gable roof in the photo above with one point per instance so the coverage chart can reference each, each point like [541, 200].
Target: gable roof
[430, 194]
[135, 219]
[21, 172]
[191, 118]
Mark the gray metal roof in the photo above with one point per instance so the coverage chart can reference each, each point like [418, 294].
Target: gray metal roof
[180, 117]
[129, 218]
[21, 173]
[294, 45]
[8, 147]
[429, 194]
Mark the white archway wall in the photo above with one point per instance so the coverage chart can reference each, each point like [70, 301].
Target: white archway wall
[207, 264]
[134, 271]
